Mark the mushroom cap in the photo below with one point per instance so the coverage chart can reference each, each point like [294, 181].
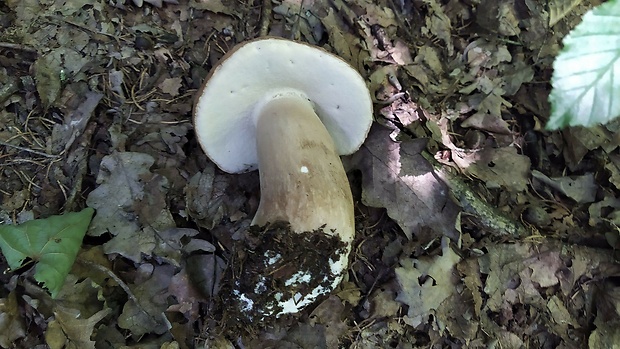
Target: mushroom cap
[253, 73]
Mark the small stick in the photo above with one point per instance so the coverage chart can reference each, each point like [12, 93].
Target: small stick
[19, 47]
[265, 16]
[28, 150]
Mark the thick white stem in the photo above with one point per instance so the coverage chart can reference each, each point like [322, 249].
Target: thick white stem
[302, 179]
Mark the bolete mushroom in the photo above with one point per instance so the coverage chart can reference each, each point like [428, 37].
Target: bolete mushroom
[288, 110]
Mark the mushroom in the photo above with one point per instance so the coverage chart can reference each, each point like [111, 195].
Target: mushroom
[287, 109]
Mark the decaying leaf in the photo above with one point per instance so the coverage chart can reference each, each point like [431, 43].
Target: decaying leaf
[425, 284]
[215, 6]
[64, 135]
[145, 313]
[558, 9]
[187, 295]
[47, 70]
[345, 44]
[171, 86]
[580, 140]
[397, 177]
[206, 271]
[131, 204]
[328, 315]
[497, 167]
[520, 275]
[487, 122]
[68, 330]
[205, 196]
[582, 189]
[12, 325]
[438, 24]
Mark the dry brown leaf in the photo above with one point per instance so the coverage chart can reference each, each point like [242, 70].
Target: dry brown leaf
[582, 189]
[425, 284]
[122, 180]
[345, 44]
[558, 9]
[329, 314]
[70, 331]
[578, 141]
[396, 176]
[487, 122]
[171, 86]
[526, 276]
[145, 314]
[215, 6]
[438, 25]
[12, 325]
[497, 167]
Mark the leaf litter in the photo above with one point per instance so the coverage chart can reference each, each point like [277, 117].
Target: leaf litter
[475, 227]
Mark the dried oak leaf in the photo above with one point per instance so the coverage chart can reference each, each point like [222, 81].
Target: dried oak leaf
[329, 315]
[12, 326]
[497, 167]
[145, 313]
[396, 176]
[69, 330]
[425, 284]
[127, 189]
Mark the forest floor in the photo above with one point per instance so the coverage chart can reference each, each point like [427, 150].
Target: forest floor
[476, 227]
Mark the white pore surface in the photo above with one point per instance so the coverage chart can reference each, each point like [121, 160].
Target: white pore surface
[262, 68]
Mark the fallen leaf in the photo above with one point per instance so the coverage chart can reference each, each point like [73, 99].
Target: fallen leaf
[497, 167]
[74, 123]
[487, 122]
[122, 179]
[426, 283]
[12, 326]
[206, 271]
[558, 9]
[437, 24]
[582, 189]
[145, 313]
[171, 86]
[187, 295]
[47, 74]
[52, 242]
[396, 176]
[215, 6]
[329, 314]
[68, 330]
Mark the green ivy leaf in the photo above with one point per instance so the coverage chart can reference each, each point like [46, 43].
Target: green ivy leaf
[586, 77]
[53, 243]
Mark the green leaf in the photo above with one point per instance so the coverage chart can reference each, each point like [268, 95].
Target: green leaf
[52, 242]
[586, 77]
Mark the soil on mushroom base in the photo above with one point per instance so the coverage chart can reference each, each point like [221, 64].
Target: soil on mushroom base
[265, 259]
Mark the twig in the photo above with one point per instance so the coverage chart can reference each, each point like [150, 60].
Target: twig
[489, 217]
[19, 47]
[29, 150]
[265, 18]
[296, 25]
[8, 89]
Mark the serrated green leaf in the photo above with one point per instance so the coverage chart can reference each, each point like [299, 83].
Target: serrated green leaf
[53, 243]
[586, 77]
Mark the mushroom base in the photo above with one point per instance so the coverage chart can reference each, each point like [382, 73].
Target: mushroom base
[280, 271]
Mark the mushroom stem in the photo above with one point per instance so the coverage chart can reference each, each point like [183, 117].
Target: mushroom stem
[302, 179]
